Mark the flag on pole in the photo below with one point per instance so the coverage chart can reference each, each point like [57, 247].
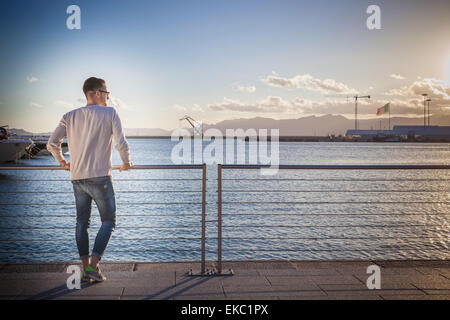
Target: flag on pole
[383, 109]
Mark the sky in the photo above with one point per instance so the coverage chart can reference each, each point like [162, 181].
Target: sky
[218, 60]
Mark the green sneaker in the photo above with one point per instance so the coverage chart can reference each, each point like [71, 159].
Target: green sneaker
[95, 275]
[86, 279]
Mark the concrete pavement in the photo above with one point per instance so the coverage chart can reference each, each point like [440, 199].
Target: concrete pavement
[409, 279]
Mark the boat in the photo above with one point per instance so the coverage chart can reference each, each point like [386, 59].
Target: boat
[40, 146]
[12, 149]
[42, 143]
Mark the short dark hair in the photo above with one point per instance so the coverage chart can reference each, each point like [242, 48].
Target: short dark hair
[92, 84]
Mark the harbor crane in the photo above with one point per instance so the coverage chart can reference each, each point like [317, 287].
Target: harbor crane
[356, 97]
[197, 126]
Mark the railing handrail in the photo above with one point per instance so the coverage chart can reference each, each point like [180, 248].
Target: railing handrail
[242, 166]
[114, 167]
[337, 167]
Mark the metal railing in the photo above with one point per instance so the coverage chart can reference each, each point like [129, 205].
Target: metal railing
[272, 191]
[203, 202]
[220, 201]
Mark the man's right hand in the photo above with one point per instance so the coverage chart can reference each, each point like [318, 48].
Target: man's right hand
[125, 166]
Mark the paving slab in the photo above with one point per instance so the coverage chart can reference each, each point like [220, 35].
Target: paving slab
[437, 291]
[413, 263]
[206, 296]
[342, 287]
[445, 272]
[245, 281]
[86, 297]
[282, 291]
[267, 279]
[257, 265]
[252, 297]
[415, 297]
[33, 267]
[299, 282]
[341, 279]
[299, 272]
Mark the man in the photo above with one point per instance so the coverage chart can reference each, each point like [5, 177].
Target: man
[89, 132]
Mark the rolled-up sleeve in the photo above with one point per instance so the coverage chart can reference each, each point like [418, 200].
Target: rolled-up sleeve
[55, 140]
[121, 143]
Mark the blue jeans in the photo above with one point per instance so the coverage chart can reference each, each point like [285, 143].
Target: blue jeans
[100, 189]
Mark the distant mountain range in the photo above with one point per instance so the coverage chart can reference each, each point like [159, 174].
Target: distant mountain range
[305, 126]
[146, 132]
[321, 125]
[22, 132]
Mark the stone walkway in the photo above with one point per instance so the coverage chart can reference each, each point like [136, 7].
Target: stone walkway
[251, 280]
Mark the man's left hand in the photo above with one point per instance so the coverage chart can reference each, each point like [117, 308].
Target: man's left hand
[65, 164]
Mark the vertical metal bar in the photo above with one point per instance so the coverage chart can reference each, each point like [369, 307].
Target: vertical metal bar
[389, 116]
[203, 217]
[219, 218]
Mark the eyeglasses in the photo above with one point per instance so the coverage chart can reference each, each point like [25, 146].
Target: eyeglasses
[107, 92]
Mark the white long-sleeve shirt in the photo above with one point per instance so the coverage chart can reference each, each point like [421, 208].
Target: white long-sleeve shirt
[90, 131]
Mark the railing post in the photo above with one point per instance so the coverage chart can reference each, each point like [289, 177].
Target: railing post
[219, 218]
[203, 217]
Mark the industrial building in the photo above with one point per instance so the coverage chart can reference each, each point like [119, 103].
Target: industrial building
[402, 133]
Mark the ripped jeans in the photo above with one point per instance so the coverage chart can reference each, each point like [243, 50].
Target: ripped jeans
[99, 189]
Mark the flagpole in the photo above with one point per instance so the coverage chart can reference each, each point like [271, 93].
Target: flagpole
[389, 115]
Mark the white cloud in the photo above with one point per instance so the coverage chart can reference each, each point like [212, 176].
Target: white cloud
[437, 90]
[32, 79]
[308, 82]
[402, 91]
[194, 108]
[117, 103]
[248, 89]
[179, 108]
[397, 76]
[197, 108]
[405, 100]
[113, 102]
[277, 105]
[35, 104]
[270, 104]
[365, 107]
[329, 106]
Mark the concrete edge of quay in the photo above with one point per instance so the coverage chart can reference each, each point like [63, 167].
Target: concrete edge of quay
[133, 266]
